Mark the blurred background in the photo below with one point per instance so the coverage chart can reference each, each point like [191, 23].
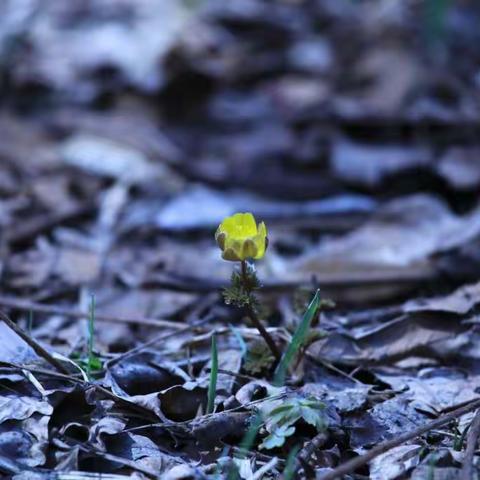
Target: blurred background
[130, 128]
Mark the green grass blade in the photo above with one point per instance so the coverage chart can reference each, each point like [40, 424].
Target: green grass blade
[250, 435]
[240, 340]
[212, 387]
[435, 15]
[91, 334]
[297, 341]
[289, 470]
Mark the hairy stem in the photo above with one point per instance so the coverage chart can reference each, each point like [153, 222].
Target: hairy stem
[254, 317]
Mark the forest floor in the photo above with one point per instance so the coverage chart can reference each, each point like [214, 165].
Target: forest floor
[130, 129]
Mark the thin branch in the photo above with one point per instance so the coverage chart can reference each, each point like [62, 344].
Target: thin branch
[472, 440]
[157, 339]
[357, 462]
[108, 456]
[20, 304]
[307, 451]
[37, 348]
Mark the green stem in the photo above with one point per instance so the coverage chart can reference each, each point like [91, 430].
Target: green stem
[254, 318]
[91, 334]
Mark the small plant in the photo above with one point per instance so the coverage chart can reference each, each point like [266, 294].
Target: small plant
[302, 337]
[212, 386]
[90, 362]
[298, 339]
[242, 240]
[93, 362]
[281, 416]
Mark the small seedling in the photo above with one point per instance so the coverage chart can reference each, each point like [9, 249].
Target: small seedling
[90, 362]
[212, 386]
[281, 417]
[298, 340]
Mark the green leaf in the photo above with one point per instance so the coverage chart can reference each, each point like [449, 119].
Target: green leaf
[212, 387]
[94, 364]
[311, 415]
[278, 437]
[297, 341]
[281, 416]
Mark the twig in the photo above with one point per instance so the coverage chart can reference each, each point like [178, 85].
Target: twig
[333, 368]
[357, 462]
[472, 440]
[108, 456]
[254, 318]
[307, 451]
[157, 339]
[20, 304]
[37, 348]
[263, 470]
[235, 375]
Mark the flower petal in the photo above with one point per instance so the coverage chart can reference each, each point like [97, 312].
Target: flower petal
[262, 229]
[221, 237]
[249, 249]
[239, 237]
[261, 241]
[247, 224]
[231, 255]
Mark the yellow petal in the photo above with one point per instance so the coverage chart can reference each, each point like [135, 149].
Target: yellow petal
[247, 224]
[226, 225]
[261, 241]
[220, 237]
[249, 249]
[240, 225]
[239, 237]
[262, 229]
[231, 255]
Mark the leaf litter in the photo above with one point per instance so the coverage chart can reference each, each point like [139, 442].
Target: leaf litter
[130, 130]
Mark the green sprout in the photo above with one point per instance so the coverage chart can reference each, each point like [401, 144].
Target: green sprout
[92, 363]
[298, 339]
[212, 386]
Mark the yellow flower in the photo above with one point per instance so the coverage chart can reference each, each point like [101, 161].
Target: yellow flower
[239, 238]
